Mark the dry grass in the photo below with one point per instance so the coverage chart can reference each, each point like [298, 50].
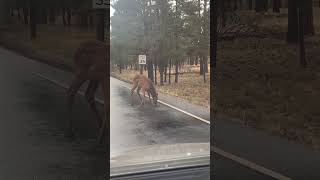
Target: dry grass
[190, 86]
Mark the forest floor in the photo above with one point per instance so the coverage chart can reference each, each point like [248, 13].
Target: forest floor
[261, 83]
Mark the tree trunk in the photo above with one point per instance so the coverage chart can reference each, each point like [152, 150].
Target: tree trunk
[19, 16]
[161, 67]
[136, 67]
[214, 45]
[64, 16]
[33, 20]
[52, 16]
[223, 15]
[85, 20]
[69, 16]
[261, 5]
[155, 71]
[201, 65]
[235, 7]
[25, 15]
[301, 11]
[206, 70]
[250, 4]
[42, 19]
[276, 6]
[150, 70]
[161, 70]
[240, 4]
[308, 17]
[170, 64]
[292, 33]
[191, 61]
[177, 72]
[165, 73]
[91, 20]
[228, 4]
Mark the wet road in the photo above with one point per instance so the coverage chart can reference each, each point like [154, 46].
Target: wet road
[133, 127]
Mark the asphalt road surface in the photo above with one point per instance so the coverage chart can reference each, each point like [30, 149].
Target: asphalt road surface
[32, 111]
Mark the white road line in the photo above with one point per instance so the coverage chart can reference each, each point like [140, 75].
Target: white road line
[173, 107]
[249, 164]
[227, 155]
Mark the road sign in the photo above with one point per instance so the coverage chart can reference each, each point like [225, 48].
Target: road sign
[142, 59]
[100, 4]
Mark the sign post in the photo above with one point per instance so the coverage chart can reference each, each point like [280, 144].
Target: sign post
[142, 62]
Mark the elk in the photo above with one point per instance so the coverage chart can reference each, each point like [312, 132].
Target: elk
[90, 64]
[145, 84]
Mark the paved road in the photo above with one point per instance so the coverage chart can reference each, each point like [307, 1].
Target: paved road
[32, 120]
[133, 127]
[278, 154]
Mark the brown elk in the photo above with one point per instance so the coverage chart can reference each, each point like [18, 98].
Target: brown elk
[146, 85]
[90, 64]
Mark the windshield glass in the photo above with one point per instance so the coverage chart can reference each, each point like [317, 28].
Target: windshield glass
[160, 78]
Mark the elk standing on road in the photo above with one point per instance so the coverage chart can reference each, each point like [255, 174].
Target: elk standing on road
[143, 83]
[89, 64]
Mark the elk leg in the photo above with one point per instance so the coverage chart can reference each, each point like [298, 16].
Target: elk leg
[143, 94]
[71, 92]
[132, 90]
[90, 94]
[138, 92]
[149, 96]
